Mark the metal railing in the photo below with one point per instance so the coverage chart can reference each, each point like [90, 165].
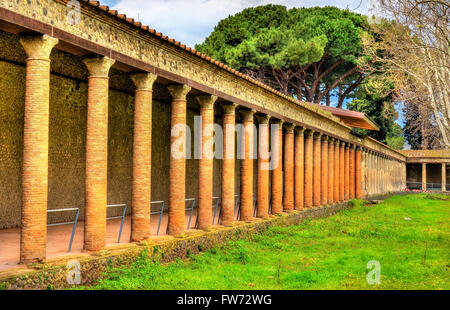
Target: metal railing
[237, 209]
[160, 213]
[75, 222]
[124, 206]
[191, 212]
[216, 208]
[419, 186]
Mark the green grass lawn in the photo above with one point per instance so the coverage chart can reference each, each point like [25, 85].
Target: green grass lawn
[328, 253]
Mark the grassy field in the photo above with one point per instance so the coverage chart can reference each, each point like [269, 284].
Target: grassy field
[408, 235]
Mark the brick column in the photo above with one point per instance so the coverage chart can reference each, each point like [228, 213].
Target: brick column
[331, 170]
[352, 173]
[33, 236]
[299, 203]
[263, 167]
[277, 173]
[424, 177]
[347, 172]
[324, 172]
[205, 167]
[337, 151]
[177, 173]
[358, 173]
[317, 157]
[228, 164]
[309, 150]
[444, 177]
[97, 153]
[289, 168]
[247, 166]
[142, 156]
[342, 172]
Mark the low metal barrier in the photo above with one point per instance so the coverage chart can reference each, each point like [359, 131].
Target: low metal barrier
[215, 209]
[124, 206]
[237, 209]
[419, 186]
[77, 214]
[191, 211]
[160, 213]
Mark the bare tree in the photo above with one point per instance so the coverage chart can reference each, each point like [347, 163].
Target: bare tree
[414, 50]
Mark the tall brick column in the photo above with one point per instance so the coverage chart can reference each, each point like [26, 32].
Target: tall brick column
[342, 172]
[247, 166]
[97, 153]
[205, 167]
[263, 167]
[142, 156]
[317, 171]
[347, 172]
[337, 151]
[277, 173]
[444, 177]
[331, 171]
[309, 168]
[358, 173]
[288, 201]
[177, 173]
[33, 237]
[352, 172]
[424, 177]
[299, 198]
[324, 172]
[228, 164]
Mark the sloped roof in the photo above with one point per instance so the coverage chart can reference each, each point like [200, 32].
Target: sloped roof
[427, 153]
[353, 118]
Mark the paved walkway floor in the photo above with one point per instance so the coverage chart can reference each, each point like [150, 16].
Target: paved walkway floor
[58, 238]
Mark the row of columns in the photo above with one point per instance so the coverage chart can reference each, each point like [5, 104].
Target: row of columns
[425, 177]
[382, 174]
[314, 169]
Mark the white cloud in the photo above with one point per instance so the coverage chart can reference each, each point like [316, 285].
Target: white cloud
[191, 21]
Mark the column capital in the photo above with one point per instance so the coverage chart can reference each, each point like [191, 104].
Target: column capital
[278, 121]
[352, 146]
[359, 148]
[343, 144]
[179, 92]
[325, 138]
[247, 115]
[318, 135]
[309, 133]
[331, 140]
[263, 118]
[337, 142]
[300, 130]
[289, 127]
[229, 108]
[38, 47]
[206, 101]
[143, 81]
[99, 66]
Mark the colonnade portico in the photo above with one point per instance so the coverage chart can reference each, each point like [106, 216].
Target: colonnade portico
[313, 168]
